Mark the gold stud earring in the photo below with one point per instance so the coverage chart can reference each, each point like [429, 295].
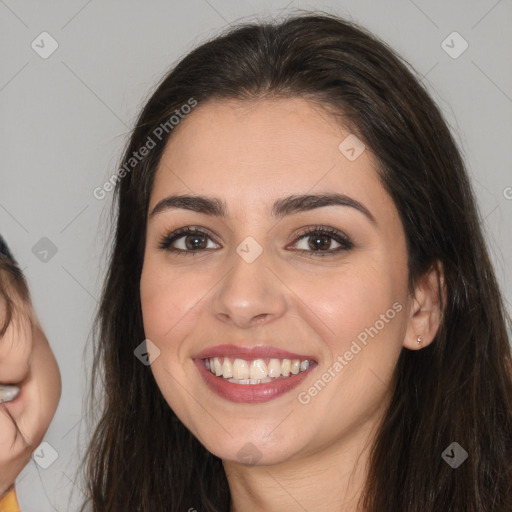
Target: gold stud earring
[419, 340]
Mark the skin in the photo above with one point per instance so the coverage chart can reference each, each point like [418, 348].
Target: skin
[25, 359]
[311, 456]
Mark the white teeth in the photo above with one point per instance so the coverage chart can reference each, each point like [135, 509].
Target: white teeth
[217, 367]
[240, 369]
[227, 369]
[258, 369]
[286, 366]
[250, 381]
[274, 368]
[255, 371]
[8, 392]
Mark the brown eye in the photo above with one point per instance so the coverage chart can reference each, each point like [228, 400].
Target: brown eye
[195, 242]
[319, 240]
[186, 241]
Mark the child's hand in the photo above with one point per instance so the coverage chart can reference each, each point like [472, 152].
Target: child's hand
[27, 363]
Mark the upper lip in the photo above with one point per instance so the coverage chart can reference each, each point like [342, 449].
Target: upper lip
[17, 383]
[250, 353]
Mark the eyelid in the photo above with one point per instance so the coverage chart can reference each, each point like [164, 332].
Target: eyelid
[335, 234]
[173, 235]
[315, 228]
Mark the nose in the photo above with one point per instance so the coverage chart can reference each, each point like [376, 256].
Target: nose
[249, 294]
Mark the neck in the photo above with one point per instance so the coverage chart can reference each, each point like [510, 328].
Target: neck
[331, 478]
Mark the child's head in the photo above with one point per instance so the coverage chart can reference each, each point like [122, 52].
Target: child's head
[30, 384]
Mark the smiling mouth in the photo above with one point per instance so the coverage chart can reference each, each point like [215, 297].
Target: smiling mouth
[255, 371]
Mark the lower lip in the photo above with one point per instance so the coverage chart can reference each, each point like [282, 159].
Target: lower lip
[250, 393]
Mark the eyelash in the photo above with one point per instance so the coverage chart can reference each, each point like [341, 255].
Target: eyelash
[344, 241]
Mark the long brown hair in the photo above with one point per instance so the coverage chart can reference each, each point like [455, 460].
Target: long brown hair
[12, 281]
[459, 388]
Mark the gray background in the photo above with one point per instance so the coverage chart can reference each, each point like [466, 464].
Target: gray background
[64, 120]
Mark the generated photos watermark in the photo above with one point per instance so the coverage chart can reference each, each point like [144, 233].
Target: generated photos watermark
[151, 141]
[305, 397]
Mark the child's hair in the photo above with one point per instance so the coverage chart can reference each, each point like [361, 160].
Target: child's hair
[12, 281]
[458, 388]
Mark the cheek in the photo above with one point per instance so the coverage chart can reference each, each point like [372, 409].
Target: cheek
[353, 300]
[15, 350]
[167, 303]
[48, 382]
[362, 306]
[167, 299]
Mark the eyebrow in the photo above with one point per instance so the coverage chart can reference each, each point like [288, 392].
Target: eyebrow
[282, 207]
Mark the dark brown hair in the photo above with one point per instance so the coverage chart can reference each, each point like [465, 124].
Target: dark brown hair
[459, 388]
[12, 281]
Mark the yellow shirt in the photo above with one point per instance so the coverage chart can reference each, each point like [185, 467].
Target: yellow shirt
[9, 503]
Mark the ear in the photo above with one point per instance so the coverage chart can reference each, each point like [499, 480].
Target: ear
[427, 308]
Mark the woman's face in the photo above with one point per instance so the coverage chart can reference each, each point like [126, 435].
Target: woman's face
[330, 305]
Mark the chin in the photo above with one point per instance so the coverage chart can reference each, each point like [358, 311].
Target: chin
[251, 450]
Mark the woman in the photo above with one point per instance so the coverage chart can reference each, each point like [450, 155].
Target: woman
[300, 312]
[30, 383]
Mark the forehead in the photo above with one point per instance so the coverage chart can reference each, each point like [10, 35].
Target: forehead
[253, 152]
